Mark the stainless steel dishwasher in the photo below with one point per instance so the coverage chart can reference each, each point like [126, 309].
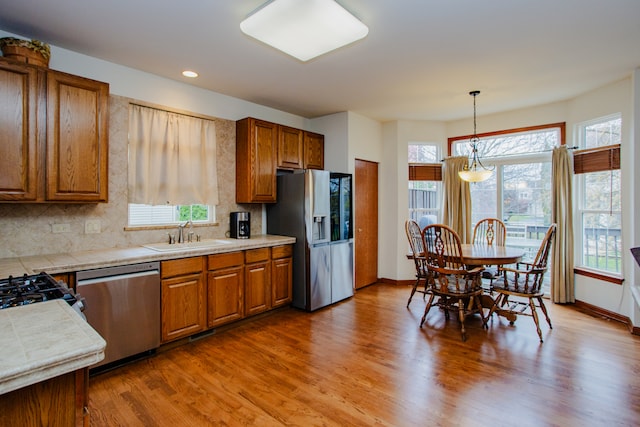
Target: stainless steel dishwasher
[123, 305]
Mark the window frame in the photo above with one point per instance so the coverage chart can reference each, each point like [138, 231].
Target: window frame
[501, 162]
[592, 160]
[211, 220]
[426, 172]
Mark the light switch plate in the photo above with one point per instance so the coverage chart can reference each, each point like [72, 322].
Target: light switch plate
[92, 226]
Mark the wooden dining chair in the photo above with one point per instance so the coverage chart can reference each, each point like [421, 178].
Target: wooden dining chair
[525, 281]
[414, 235]
[458, 289]
[490, 231]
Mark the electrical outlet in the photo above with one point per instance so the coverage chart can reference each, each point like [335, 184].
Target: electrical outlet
[60, 228]
[92, 226]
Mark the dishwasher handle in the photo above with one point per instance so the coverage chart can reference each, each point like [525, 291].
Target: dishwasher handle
[84, 282]
[119, 270]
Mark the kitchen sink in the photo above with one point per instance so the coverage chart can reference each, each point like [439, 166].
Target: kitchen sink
[173, 247]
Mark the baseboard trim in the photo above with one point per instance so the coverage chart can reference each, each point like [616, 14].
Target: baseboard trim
[599, 311]
[396, 282]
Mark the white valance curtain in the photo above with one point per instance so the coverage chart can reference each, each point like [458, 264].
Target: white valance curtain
[172, 158]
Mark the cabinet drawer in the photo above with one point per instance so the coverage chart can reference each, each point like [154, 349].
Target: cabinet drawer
[255, 255]
[278, 252]
[230, 259]
[178, 267]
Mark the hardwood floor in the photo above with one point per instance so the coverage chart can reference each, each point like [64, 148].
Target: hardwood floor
[366, 362]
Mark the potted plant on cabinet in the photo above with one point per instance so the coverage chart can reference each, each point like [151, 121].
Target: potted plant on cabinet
[32, 51]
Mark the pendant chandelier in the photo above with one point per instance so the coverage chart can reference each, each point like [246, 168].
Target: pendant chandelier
[475, 171]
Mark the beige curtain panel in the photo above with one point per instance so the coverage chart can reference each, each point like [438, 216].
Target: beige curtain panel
[172, 158]
[562, 279]
[456, 204]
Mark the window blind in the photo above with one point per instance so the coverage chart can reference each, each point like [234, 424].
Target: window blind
[425, 172]
[596, 159]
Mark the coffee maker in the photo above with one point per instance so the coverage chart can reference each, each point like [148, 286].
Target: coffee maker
[240, 225]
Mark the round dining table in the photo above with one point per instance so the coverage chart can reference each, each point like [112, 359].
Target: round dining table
[481, 254]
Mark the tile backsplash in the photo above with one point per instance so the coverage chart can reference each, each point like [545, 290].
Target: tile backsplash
[27, 229]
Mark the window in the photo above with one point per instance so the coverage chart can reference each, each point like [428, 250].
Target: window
[172, 167]
[519, 191]
[597, 168]
[425, 180]
[140, 215]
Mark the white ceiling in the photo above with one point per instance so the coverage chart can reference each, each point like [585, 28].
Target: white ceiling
[419, 61]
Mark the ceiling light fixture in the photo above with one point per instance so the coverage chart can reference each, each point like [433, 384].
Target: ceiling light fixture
[304, 29]
[471, 172]
[189, 73]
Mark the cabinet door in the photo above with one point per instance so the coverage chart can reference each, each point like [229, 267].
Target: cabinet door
[183, 310]
[281, 281]
[258, 287]
[77, 138]
[256, 146]
[313, 151]
[224, 295]
[18, 139]
[290, 154]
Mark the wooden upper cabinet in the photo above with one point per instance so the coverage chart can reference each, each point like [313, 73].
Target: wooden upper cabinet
[77, 138]
[256, 151]
[290, 152]
[54, 138]
[313, 150]
[19, 96]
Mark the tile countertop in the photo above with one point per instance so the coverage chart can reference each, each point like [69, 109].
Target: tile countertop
[43, 341]
[86, 260]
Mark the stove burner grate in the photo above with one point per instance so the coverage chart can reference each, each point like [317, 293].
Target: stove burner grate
[17, 291]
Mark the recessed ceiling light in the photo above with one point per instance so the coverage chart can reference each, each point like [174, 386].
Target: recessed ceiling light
[304, 29]
[189, 73]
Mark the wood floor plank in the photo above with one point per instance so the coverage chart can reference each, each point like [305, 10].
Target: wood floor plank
[366, 361]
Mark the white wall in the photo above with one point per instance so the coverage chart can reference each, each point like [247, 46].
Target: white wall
[395, 192]
[334, 127]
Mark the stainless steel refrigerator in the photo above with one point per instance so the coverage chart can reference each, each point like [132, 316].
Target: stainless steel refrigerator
[314, 206]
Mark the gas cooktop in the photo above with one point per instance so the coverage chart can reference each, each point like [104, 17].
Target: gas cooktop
[30, 289]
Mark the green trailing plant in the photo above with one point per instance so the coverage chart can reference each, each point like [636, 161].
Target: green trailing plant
[35, 45]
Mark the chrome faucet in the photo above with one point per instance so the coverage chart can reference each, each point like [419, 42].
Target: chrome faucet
[181, 230]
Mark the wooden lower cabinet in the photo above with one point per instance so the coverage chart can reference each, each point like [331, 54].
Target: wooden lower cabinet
[257, 281]
[59, 401]
[281, 275]
[183, 298]
[200, 293]
[225, 288]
